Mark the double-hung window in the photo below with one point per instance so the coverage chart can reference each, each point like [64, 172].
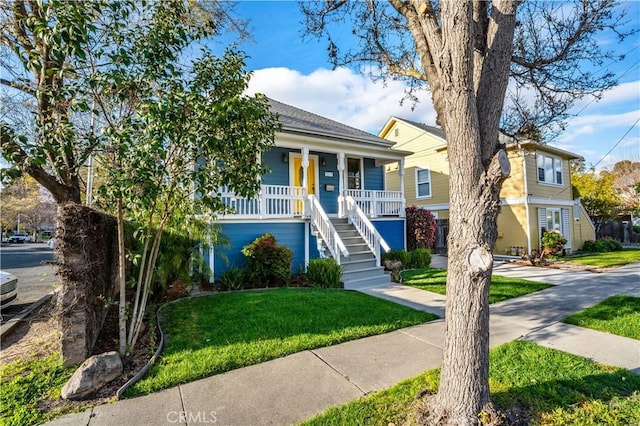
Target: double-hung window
[423, 183]
[549, 169]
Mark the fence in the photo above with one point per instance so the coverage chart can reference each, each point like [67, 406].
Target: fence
[621, 231]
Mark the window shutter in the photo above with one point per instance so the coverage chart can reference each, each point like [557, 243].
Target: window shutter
[542, 223]
[566, 227]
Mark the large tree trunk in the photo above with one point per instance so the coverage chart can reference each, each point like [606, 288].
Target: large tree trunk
[478, 166]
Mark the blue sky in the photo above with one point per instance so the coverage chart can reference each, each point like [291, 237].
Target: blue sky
[295, 70]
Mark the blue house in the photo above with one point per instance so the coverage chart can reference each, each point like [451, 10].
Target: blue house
[324, 197]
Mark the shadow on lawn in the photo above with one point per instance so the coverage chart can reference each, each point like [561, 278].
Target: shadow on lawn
[549, 395]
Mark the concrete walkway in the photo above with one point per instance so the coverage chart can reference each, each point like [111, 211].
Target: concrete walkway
[294, 388]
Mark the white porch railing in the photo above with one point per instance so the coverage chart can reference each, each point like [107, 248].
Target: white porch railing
[378, 203]
[365, 228]
[326, 230]
[272, 201]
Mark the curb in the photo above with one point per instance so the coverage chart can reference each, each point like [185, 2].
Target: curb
[9, 325]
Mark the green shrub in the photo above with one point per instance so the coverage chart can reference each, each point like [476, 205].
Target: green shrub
[268, 264]
[552, 244]
[602, 245]
[420, 258]
[234, 278]
[636, 228]
[589, 246]
[324, 273]
[400, 255]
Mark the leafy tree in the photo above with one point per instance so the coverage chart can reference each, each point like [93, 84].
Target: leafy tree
[26, 198]
[626, 181]
[466, 52]
[172, 136]
[20, 198]
[107, 77]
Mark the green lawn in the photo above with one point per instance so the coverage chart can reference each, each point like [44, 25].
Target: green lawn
[24, 384]
[549, 387]
[218, 333]
[607, 260]
[616, 315]
[502, 288]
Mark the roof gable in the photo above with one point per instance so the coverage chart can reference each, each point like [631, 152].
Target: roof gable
[296, 120]
[509, 141]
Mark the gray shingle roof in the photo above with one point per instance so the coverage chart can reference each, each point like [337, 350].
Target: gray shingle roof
[431, 129]
[300, 121]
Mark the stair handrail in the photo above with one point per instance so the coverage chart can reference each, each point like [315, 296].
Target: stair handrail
[325, 228]
[365, 228]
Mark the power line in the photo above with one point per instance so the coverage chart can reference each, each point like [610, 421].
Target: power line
[617, 143]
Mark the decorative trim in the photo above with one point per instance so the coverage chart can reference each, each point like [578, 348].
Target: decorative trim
[435, 206]
[536, 200]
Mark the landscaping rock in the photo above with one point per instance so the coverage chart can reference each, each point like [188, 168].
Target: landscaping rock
[93, 374]
[392, 265]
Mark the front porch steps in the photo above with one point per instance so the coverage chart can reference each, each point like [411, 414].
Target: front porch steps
[359, 269]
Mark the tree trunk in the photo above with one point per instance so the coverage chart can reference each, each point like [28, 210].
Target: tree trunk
[464, 389]
[122, 283]
[477, 169]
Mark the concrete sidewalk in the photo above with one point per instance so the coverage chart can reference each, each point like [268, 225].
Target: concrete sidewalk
[294, 388]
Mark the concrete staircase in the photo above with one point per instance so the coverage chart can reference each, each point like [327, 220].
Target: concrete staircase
[359, 269]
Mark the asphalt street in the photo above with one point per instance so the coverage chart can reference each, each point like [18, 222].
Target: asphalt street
[30, 262]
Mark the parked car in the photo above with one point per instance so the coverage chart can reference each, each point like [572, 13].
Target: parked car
[8, 289]
[20, 237]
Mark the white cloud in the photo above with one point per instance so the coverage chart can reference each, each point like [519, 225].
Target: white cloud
[621, 94]
[342, 95]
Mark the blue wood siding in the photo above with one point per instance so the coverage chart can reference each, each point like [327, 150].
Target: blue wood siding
[241, 234]
[373, 176]
[328, 199]
[279, 170]
[392, 231]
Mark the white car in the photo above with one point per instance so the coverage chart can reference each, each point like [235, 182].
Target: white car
[8, 289]
[20, 237]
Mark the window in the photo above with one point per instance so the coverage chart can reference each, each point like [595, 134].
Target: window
[423, 183]
[354, 175]
[549, 169]
[554, 221]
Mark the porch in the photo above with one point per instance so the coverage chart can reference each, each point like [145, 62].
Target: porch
[290, 202]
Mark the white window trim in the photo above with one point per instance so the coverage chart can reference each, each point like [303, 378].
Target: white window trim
[423, 197]
[554, 158]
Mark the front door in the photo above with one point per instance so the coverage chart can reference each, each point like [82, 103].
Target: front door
[297, 173]
[296, 178]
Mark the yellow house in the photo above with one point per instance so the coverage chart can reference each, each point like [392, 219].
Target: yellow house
[536, 197]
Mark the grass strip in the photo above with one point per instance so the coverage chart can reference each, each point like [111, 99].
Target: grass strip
[607, 260]
[218, 333]
[502, 288]
[619, 315]
[25, 384]
[546, 386]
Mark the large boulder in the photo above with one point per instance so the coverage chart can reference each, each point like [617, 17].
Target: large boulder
[93, 374]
